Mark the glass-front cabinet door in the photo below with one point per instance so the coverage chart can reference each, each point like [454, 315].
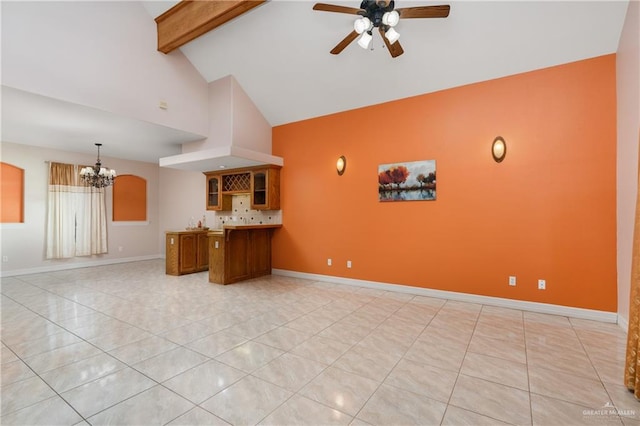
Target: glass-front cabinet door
[259, 189]
[261, 184]
[265, 188]
[213, 192]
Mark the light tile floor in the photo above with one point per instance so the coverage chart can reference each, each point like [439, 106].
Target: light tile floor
[128, 345]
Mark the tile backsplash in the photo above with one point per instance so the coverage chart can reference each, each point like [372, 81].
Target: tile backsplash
[242, 214]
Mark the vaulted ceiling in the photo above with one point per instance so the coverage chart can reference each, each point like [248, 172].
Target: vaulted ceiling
[279, 53]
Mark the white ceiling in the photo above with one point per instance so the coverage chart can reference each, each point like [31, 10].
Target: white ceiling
[279, 54]
[37, 120]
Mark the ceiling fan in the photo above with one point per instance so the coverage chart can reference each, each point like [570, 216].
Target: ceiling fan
[382, 15]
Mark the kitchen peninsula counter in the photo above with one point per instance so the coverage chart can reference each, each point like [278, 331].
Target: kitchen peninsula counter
[245, 227]
[240, 252]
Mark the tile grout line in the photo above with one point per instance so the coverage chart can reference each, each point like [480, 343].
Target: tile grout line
[48, 385]
[455, 383]
[601, 381]
[161, 303]
[400, 358]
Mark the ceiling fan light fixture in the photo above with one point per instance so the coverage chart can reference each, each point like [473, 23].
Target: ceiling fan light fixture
[380, 14]
[391, 18]
[392, 35]
[362, 24]
[365, 40]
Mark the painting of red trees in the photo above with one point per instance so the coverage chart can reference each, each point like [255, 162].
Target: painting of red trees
[410, 181]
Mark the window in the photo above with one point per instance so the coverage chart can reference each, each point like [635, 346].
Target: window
[129, 199]
[76, 215]
[11, 194]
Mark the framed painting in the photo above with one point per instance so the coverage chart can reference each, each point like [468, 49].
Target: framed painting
[412, 181]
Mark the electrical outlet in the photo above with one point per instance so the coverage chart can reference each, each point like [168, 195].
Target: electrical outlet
[5, 258]
[348, 264]
[328, 262]
[542, 284]
[512, 280]
[120, 248]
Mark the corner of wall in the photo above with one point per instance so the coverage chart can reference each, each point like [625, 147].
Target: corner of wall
[250, 129]
[628, 141]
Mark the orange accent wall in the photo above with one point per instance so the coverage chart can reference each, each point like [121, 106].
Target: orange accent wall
[546, 212]
[11, 194]
[129, 198]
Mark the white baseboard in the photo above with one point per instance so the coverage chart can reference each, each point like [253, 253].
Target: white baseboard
[76, 265]
[623, 323]
[545, 308]
[567, 311]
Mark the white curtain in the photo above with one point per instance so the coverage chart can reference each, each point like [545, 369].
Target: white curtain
[91, 221]
[61, 221]
[76, 217]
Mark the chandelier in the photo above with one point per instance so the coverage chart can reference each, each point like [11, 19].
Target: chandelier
[97, 176]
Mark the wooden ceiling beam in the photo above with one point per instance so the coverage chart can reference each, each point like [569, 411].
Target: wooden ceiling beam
[190, 19]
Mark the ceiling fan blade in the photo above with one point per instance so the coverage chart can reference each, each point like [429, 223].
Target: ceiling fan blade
[441, 11]
[335, 8]
[395, 49]
[345, 42]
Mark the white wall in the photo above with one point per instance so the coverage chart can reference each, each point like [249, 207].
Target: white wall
[24, 244]
[103, 55]
[219, 95]
[628, 93]
[173, 197]
[234, 120]
[183, 196]
[250, 129]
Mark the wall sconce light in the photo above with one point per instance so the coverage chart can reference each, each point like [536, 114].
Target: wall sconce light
[498, 149]
[341, 165]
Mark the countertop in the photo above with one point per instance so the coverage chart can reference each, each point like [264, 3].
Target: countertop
[219, 231]
[188, 231]
[247, 227]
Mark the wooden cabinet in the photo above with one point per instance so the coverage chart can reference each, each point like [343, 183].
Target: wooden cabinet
[238, 263]
[186, 252]
[260, 252]
[265, 189]
[261, 183]
[202, 254]
[240, 253]
[216, 200]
